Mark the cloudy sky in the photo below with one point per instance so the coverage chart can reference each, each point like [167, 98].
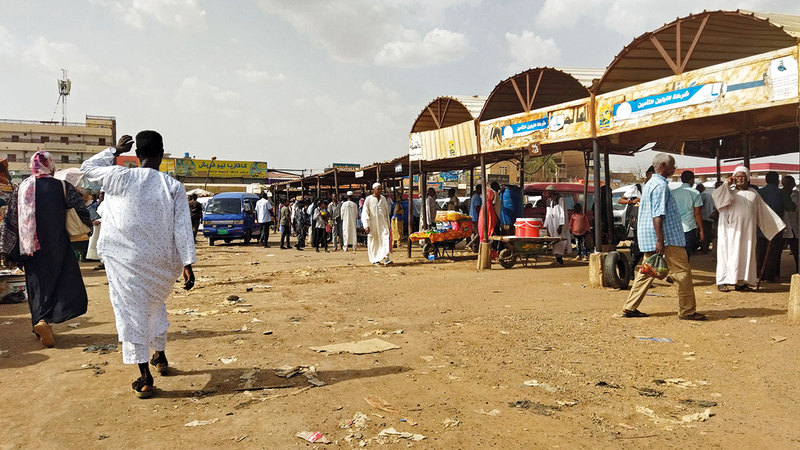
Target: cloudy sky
[300, 83]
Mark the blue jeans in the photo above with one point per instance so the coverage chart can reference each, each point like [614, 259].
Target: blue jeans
[580, 248]
[692, 239]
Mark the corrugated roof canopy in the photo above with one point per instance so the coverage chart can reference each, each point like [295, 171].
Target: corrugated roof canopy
[447, 111]
[530, 90]
[697, 41]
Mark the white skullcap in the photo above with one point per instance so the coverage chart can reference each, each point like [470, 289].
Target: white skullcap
[349, 193]
[375, 184]
[743, 170]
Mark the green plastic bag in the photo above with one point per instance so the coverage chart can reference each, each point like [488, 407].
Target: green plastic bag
[655, 266]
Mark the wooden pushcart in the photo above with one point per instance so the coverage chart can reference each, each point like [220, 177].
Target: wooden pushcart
[523, 249]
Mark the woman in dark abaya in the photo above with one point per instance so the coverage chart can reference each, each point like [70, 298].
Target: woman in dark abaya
[33, 236]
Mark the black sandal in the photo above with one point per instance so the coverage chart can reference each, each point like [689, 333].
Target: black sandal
[161, 364]
[743, 288]
[141, 388]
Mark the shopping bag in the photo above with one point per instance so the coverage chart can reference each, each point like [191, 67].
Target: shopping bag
[655, 266]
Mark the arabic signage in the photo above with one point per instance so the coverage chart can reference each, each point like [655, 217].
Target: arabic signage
[188, 167]
[760, 81]
[346, 166]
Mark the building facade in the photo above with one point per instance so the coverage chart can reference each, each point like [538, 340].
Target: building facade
[69, 143]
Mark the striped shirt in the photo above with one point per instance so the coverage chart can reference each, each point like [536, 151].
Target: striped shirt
[657, 201]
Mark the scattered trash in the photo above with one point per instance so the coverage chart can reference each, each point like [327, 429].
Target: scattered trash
[313, 437]
[776, 339]
[567, 403]
[248, 378]
[311, 376]
[652, 416]
[241, 310]
[679, 382]
[448, 423]
[358, 348]
[700, 403]
[647, 392]
[229, 360]
[3, 351]
[626, 426]
[753, 320]
[73, 325]
[653, 294]
[654, 339]
[545, 386]
[255, 320]
[427, 358]
[233, 299]
[101, 348]
[494, 412]
[103, 436]
[288, 371]
[267, 333]
[608, 385]
[200, 423]
[358, 421]
[379, 403]
[697, 417]
[688, 353]
[404, 434]
[534, 407]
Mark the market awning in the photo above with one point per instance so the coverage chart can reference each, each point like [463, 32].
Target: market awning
[697, 41]
[447, 111]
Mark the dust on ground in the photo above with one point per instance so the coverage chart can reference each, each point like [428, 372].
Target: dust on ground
[512, 358]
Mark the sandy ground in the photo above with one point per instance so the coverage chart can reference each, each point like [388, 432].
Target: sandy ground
[469, 343]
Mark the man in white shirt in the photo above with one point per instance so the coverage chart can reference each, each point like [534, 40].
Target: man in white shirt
[264, 217]
[375, 216]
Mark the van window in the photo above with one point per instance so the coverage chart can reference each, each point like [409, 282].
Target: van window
[224, 206]
[248, 205]
[589, 206]
[569, 201]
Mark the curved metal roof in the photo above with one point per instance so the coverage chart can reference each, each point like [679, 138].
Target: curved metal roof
[530, 90]
[697, 41]
[447, 111]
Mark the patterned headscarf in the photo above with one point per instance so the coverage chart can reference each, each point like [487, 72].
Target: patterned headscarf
[42, 166]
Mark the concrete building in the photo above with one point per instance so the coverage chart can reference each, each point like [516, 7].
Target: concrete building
[70, 143]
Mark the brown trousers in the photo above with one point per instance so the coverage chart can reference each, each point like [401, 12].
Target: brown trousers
[681, 272]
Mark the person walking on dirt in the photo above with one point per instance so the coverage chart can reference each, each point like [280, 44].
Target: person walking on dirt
[196, 214]
[349, 219]
[284, 216]
[660, 232]
[376, 224]
[264, 217]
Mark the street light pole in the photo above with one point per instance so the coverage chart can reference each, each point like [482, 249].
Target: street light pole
[213, 158]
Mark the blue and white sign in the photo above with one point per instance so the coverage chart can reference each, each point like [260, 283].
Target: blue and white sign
[448, 176]
[693, 95]
[524, 128]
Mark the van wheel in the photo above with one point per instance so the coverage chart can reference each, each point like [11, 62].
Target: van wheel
[247, 237]
[228, 240]
[616, 270]
[210, 242]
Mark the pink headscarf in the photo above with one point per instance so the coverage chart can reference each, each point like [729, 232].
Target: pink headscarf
[42, 166]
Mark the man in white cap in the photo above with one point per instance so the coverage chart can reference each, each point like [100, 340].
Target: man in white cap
[375, 217]
[741, 210]
[556, 221]
[349, 215]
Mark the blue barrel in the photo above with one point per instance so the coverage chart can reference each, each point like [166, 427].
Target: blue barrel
[510, 205]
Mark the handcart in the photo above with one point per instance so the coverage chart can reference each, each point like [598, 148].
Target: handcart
[524, 249]
[441, 243]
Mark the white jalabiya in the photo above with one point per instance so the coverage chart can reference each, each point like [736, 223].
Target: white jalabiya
[146, 241]
[376, 217]
[740, 212]
[91, 253]
[349, 215]
[554, 217]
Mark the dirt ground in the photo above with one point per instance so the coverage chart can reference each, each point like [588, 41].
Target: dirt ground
[509, 358]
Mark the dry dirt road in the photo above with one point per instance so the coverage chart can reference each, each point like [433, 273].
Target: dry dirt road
[519, 358]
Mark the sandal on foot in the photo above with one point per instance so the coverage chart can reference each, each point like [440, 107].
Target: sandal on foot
[141, 388]
[723, 288]
[634, 313]
[693, 316]
[161, 365]
[743, 288]
[45, 333]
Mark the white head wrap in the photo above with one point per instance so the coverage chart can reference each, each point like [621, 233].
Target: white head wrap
[743, 170]
[375, 184]
[349, 193]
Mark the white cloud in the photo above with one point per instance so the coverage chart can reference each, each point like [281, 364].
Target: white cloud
[8, 43]
[196, 95]
[182, 14]
[250, 74]
[528, 50]
[411, 51]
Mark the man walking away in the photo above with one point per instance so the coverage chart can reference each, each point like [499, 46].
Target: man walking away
[335, 214]
[792, 231]
[264, 217]
[708, 220]
[320, 220]
[285, 224]
[781, 203]
[690, 207]
[349, 219]
[301, 222]
[196, 214]
[660, 232]
[146, 244]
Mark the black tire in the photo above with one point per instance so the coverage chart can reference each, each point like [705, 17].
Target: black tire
[210, 242]
[228, 240]
[616, 270]
[506, 258]
[428, 249]
[247, 237]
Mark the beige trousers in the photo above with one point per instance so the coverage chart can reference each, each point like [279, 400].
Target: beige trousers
[681, 272]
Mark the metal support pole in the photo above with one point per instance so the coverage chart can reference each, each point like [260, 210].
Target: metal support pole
[410, 207]
[336, 182]
[598, 222]
[719, 168]
[317, 186]
[471, 183]
[522, 171]
[423, 195]
[746, 145]
[608, 219]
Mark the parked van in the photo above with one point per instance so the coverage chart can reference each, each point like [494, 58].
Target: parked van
[229, 216]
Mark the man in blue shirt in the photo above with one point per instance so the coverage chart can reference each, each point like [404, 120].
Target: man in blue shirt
[660, 231]
[690, 207]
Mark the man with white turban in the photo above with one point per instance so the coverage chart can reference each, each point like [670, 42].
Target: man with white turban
[741, 210]
[375, 217]
[349, 216]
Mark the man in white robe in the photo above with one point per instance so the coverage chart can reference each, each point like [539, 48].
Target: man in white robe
[349, 216]
[146, 244]
[741, 210]
[556, 220]
[376, 224]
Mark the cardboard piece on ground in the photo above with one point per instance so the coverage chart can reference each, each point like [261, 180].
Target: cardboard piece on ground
[358, 348]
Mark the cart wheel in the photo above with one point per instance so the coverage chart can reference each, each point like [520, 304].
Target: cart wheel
[428, 249]
[506, 258]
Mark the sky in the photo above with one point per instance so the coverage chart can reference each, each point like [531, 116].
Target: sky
[302, 84]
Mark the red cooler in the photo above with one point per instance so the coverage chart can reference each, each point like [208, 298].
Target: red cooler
[527, 227]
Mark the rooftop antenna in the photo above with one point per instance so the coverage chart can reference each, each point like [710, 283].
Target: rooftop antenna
[64, 86]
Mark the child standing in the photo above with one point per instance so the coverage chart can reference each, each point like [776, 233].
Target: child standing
[579, 225]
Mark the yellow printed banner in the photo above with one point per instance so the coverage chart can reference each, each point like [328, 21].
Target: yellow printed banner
[188, 167]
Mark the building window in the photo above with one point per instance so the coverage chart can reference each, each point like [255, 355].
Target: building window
[14, 138]
[65, 159]
[64, 139]
[45, 139]
[12, 157]
[101, 141]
